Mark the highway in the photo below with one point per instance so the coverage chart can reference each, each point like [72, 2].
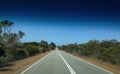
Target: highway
[60, 62]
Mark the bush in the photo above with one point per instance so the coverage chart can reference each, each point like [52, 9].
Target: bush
[18, 54]
[106, 50]
[32, 50]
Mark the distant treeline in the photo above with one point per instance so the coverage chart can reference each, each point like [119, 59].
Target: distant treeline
[106, 50]
[11, 48]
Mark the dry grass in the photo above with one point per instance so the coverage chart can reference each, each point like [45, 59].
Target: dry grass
[14, 67]
[104, 65]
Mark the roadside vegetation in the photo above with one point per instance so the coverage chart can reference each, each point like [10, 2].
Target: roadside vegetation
[11, 47]
[107, 50]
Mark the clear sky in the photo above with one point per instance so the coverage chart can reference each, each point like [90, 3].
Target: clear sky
[63, 21]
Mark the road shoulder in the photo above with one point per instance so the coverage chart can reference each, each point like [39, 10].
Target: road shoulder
[19, 65]
[99, 63]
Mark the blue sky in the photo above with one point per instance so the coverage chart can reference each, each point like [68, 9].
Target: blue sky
[62, 32]
[63, 21]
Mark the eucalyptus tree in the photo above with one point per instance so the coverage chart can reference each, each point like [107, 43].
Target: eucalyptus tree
[21, 34]
[44, 45]
[10, 39]
[52, 46]
[6, 26]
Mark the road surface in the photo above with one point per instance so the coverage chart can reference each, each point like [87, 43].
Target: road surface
[60, 62]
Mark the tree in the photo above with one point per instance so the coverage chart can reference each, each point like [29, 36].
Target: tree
[2, 52]
[106, 50]
[52, 46]
[6, 26]
[44, 45]
[0, 29]
[8, 39]
[21, 34]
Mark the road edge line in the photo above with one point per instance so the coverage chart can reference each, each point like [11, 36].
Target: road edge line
[91, 63]
[35, 63]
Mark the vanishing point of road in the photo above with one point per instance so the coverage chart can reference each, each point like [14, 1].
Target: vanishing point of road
[60, 62]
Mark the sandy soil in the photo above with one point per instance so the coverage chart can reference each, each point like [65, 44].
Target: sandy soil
[104, 65]
[14, 67]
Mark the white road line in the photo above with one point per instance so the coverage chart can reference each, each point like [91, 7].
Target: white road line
[35, 63]
[69, 67]
[91, 64]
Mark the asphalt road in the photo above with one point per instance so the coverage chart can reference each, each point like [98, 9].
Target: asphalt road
[59, 62]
